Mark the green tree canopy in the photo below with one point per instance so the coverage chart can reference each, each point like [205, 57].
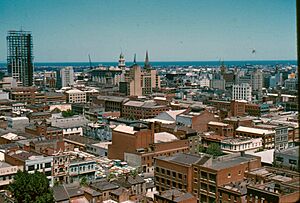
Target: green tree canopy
[214, 149]
[67, 113]
[83, 181]
[28, 188]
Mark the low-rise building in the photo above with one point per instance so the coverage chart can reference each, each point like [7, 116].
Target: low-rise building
[7, 173]
[18, 123]
[209, 174]
[142, 110]
[268, 136]
[174, 195]
[233, 145]
[222, 129]
[272, 192]
[287, 158]
[175, 172]
[31, 162]
[76, 96]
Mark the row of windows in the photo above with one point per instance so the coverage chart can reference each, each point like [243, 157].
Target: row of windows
[39, 166]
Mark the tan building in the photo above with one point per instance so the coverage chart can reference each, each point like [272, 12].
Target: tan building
[140, 81]
[7, 173]
[76, 96]
[268, 136]
[222, 129]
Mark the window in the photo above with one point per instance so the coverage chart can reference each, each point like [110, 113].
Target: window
[174, 174]
[279, 158]
[179, 175]
[212, 177]
[292, 161]
[168, 172]
[212, 189]
[163, 171]
[48, 173]
[203, 186]
[229, 175]
[239, 172]
[203, 175]
[48, 165]
[31, 168]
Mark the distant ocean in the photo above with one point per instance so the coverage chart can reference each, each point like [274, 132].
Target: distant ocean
[165, 63]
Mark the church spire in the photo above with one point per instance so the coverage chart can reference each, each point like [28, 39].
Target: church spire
[147, 64]
[134, 59]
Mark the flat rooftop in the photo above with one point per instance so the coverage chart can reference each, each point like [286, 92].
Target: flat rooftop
[254, 130]
[293, 151]
[181, 158]
[228, 161]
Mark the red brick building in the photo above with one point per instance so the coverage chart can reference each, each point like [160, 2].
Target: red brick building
[142, 110]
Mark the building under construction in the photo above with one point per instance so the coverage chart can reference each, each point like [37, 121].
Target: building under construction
[20, 56]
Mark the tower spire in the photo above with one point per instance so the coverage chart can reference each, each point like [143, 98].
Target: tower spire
[147, 64]
[134, 59]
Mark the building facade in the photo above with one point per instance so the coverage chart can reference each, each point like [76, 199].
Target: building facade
[20, 56]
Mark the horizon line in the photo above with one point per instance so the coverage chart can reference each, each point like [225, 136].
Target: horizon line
[163, 61]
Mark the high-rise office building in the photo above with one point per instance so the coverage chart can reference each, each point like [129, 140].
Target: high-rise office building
[67, 76]
[20, 56]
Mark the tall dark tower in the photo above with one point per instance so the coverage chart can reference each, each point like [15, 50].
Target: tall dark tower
[20, 57]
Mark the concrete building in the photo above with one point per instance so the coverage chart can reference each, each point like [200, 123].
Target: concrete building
[20, 56]
[9, 82]
[67, 76]
[31, 162]
[217, 84]
[7, 173]
[233, 145]
[268, 136]
[80, 168]
[76, 96]
[287, 158]
[291, 84]
[17, 122]
[242, 92]
[140, 81]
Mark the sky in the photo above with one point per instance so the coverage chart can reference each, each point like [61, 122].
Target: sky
[171, 30]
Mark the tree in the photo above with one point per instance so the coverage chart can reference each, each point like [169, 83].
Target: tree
[67, 113]
[83, 181]
[27, 188]
[201, 148]
[214, 149]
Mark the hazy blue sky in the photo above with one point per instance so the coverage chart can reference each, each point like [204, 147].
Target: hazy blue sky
[69, 30]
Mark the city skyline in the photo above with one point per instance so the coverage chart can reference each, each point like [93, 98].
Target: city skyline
[67, 31]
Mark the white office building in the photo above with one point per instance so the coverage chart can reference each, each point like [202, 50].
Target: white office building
[242, 92]
[67, 76]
